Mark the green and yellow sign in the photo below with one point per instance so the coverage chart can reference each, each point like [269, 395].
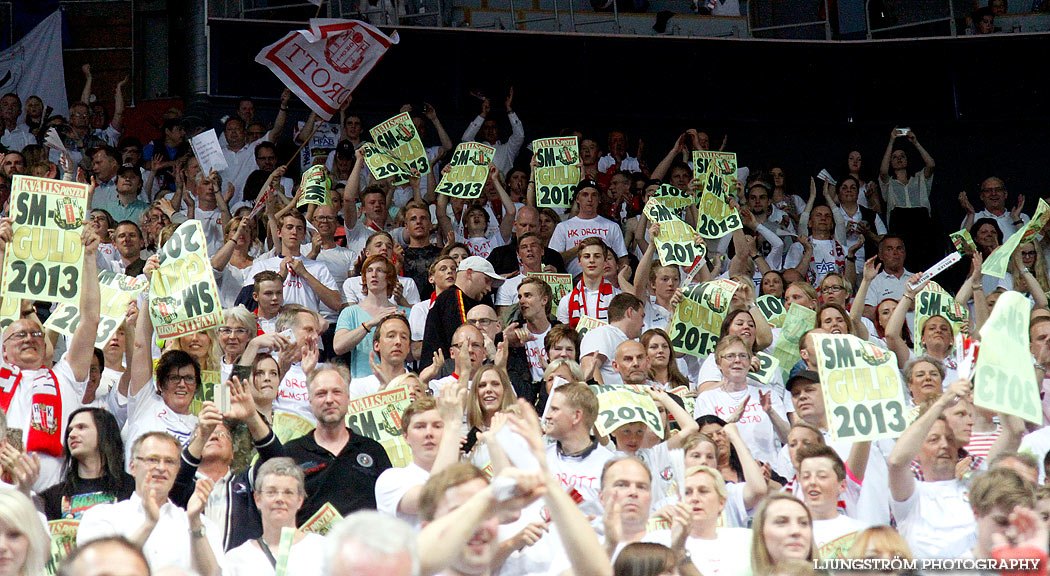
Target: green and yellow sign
[398, 135]
[317, 187]
[1004, 379]
[116, 292]
[378, 416]
[697, 322]
[997, 262]
[183, 297]
[383, 164]
[558, 172]
[45, 258]
[469, 169]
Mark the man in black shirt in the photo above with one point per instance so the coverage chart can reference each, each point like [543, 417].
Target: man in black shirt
[505, 258]
[341, 467]
[475, 279]
[420, 252]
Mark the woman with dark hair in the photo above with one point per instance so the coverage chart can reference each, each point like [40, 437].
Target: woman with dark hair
[649, 559]
[94, 468]
[908, 199]
[986, 235]
[727, 460]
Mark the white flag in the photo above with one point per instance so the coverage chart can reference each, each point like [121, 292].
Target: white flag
[324, 64]
[33, 66]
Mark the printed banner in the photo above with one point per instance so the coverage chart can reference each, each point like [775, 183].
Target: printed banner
[116, 292]
[768, 367]
[383, 164]
[183, 297]
[323, 65]
[317, 187]
[561, 284]
[398, 135]
[33, 65]
[1004, 379]
[469, 171]
[619, 405]
[676, 243]
[797, 321]
[997, 262]
[63, 541]
[378, 416]
[716, 217]
[963, 242]
[862, 389]
[45, 257]
[322, 521]
[587, 323]
[288, 426]
[698, 319]
[558, 172]
[772, 309]
[716, 172]
[10, 310]
[673, 197]
[688, 399]
[936, 301]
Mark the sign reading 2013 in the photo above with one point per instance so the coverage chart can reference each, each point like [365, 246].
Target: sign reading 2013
[45, 257]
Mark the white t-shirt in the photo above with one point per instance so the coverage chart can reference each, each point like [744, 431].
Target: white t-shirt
[536, 354]
[339, 260]
[834, 537]
[729, 554]
[937, 521]
[570, 233]
[582, 474]
[507, 293]
[828, 256]
[482, 246]
[296, 290]
[604, 340]
[710, 372]
[364, 386]
[392, 486]
[304, 559]
[1037, 444]
[663, 486]
[211, 223]
[293, 395]
[592, 306]
[755, 426]
[147, 412]
[853, 234]
[417, 318]
[353, 294]
[656, 316]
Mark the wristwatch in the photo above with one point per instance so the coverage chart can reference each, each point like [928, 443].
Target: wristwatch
[198, 532]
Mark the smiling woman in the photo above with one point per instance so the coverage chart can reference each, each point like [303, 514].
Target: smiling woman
[24, 546]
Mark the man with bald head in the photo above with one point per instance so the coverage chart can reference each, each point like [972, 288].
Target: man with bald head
[632, 363]
[505, 258]
[110, 556]
[370, 543]
[50, 392]
[467, 338]
[993, 196]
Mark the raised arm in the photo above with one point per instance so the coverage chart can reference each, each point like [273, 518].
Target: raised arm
[908, 446]
[964, 201]
[85, 95]
[857, 310]
[884, 167]
[687, 425]
[282, 117]
[118, 106]
[645, 265]
[894, 341]
[141, 368]
[661, 169]
[351, 191]
[1021, 272]
[926, 158]
[755, 487]
[506, 226]
[82, 345]
[446, 142]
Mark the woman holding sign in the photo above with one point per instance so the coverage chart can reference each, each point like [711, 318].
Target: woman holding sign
[764, 415]
[936, 335]
[353, 333]
[279, 493]
[753, 330]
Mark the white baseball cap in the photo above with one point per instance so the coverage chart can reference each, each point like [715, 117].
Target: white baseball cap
[479, 264]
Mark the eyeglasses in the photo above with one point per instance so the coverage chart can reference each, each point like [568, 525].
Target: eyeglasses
[23, 335]
[325, 218]
[224, 331]
[175, 379]
[994, 189]
[481, 322]
[78, 115]
[832, 289]
[273, 493]
[158, 462]
[738, 356]
[1027, 253]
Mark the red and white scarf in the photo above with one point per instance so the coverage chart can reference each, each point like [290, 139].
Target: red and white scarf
[45, 420]
[578, 302]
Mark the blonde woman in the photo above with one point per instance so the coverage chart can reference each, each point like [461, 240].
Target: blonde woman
[782, 530]
[25, 545]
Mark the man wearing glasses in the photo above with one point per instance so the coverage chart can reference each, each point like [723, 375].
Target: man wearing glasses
[168, 535]
[993, 195]
[30, 386]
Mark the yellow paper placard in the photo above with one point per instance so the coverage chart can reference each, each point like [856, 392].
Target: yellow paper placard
[561, 284]
[673, 197]
[997, 262]
[63, 541]
[697, 321]
[116, 292]
[935, 301]
[45, 258]
[383, 164]
[797, 321]
[399, 136]
[716, 217]
[716, 172]
[675, 244]
[378, 416]
[587, 323]
[767, 368]
[772, 309]
[322, 520]
[469, 171]
[317, 187]
[862, 389]
[288, 426]
[183, 297]
[619, 405]
[1004, 379]
[558, 172]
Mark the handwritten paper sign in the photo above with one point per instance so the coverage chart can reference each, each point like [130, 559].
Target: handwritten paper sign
[208, 152]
